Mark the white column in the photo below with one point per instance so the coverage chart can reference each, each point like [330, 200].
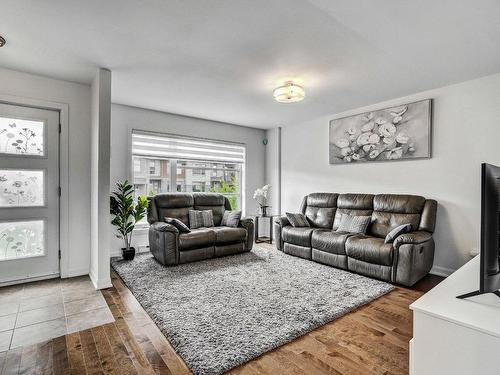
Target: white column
[100, 179]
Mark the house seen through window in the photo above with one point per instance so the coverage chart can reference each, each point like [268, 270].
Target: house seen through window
[165, 163]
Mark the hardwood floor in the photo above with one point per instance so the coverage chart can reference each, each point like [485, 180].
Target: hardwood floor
[371, 340]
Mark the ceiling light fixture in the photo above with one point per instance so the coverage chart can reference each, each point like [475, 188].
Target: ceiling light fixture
[289, 93]
[2, 41]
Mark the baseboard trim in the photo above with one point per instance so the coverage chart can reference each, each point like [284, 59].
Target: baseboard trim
[29, 279]
[100, 284]
[75, 272]
[441, 271]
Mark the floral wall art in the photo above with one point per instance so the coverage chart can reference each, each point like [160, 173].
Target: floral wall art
[396, 133]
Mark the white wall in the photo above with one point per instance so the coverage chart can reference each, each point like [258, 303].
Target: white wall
[100, 179]
[125, 118]
[466, 132]
[77, 97]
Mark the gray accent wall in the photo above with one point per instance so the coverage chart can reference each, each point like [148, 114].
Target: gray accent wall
[466, 132]
[125, 118]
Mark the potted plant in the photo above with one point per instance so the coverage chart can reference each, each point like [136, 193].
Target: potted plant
[126, 214]
[260, 195]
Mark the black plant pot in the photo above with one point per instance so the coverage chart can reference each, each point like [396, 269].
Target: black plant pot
[128, 254]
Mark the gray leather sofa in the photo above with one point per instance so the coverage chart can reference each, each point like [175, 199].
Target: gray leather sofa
[170, 247]
[405, 261]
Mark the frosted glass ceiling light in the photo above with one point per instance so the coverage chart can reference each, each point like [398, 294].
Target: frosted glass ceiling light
[289, 93]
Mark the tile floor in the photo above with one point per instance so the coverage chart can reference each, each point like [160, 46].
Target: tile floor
[42, 310]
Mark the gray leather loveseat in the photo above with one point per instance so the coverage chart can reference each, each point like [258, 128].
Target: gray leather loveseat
[404, 261]
[170, 247]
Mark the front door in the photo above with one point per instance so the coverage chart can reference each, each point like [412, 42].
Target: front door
[29, 193]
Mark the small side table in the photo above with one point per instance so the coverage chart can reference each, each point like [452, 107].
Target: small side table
[259, 239]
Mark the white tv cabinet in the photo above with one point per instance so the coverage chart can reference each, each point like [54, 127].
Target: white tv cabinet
[453, 336]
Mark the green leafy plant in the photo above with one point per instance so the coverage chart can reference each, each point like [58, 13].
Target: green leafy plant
[228, 187]
[126, 212]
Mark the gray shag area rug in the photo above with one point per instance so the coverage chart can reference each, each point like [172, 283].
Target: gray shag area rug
[223, 312]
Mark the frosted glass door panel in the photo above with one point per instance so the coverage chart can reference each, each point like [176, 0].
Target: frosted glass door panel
[29, 193]
[21, 137]
[21, 239]
[21, 188]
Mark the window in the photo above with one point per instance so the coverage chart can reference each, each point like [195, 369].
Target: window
[166, 163]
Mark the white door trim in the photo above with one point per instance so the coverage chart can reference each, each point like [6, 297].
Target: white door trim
[63, 110]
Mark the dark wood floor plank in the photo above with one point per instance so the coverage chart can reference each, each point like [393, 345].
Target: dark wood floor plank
[75, 354]
[108, 361]
[45, 358]
[12, 361]
[172, 360]
[152, 355]
[90, 354]
[28, 360]
[136, 355]
[120, 352]
[60, 356]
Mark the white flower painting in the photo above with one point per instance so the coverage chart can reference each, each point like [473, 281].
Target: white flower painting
[396, 133]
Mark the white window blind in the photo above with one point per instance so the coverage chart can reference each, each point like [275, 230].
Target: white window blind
[173, 147]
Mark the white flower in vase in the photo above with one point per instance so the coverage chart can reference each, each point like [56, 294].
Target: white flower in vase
[260, 195]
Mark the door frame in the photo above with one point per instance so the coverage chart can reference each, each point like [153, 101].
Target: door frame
[63, 110]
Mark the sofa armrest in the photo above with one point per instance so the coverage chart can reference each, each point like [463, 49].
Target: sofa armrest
[164, 227]
[413, 257]
[279, 223]
[414, 238]
[247, 223]
[282, 221]
[164, 243]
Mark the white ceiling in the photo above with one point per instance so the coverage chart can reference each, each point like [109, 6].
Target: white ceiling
[220, 59]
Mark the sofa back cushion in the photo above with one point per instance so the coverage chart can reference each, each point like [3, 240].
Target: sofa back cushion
[320, 208]
[174, 205]
[214, 202]
[354, 205]
[392, 210]
[177, 205]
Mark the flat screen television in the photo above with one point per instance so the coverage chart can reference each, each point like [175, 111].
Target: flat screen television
[490, 232]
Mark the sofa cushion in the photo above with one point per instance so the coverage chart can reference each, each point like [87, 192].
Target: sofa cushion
[175, 205]
[392, 210]
[199, 219]
[330, 241]
[227, 235]
[354, 224]
[297, 220]
[354, 205]
[211, 201]
[298, 236]
[183, 228]
[231, 219]
[319, 209]
[197, 238]
[369, 249]
[403, 228]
